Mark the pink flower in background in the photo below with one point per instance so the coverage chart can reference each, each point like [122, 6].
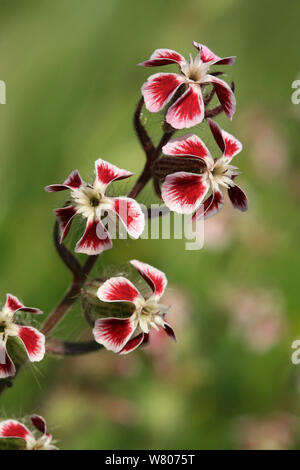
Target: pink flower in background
[14, 429]
[256, 317]
[275, 432]
[188, 109]
[267, 144]
[90, 201]
[32, 339]
[123, 335]
[186, 192]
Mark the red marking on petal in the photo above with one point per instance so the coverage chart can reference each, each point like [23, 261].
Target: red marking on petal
[107, 172]
[232, 145]
[188, 145]
[133, 344]
[211, 206]
[65, 217]
[118, 289]
[12, 303]
[39, 423]
[12, 428]
[208, 56]
[130, 213]
[113, 333]
[95, 239]
[217, 133]
[73, 181]
[183, 192]
[163, 57]
[169, 330]
[34, 342]
[188, 110]
[226, 61]
[238, 198]
[159, 89]
[154, 277]
[224, 93]
[8, 369]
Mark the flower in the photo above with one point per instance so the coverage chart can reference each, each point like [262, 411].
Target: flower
[32, 339]
[123, 335]
[90, 201]
[277, 431]
[188, 109]
[14, 429]
[185, 192]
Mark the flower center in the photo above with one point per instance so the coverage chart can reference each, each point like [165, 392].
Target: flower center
[222, 173]
[94, 201]
[219, 170]
[195, 69]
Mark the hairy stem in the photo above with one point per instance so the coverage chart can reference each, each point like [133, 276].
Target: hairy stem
[67, 348]
[80, 272]
[140, 130]
[67, 257]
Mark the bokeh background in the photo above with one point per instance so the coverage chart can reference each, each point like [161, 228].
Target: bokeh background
[72, 85]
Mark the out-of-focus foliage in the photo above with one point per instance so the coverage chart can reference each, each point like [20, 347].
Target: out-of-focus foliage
[72, 84]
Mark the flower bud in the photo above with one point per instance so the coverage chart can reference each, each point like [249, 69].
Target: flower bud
[168, 165]
[94, 308]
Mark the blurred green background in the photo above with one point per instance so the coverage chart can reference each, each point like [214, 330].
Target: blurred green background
[72, 85]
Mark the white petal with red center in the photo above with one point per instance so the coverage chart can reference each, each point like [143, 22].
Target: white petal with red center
[188, 145]
[13, 304]
[163, 57]
[159, 89]
[106, 173]
[118, 289]
[33, 341]
[188, 110]
[211, 206]
[114, 333]
[8, 369]
[13, 428]
[154, 277]
[183, 192]
[224, 93]
[130, 213]
[65, 216]
[208, 56]
[95, 239]
[74, 181]
[238, 198]
[232, 146]
[133, 344]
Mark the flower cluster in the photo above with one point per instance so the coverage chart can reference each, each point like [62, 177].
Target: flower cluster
[187, 193]
[186, 88]
[12, 429]
[91, 202]
[123, 335]
[32, 340]
[197, 191]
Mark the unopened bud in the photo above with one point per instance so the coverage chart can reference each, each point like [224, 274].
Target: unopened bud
[94, 308]
[168, 165]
